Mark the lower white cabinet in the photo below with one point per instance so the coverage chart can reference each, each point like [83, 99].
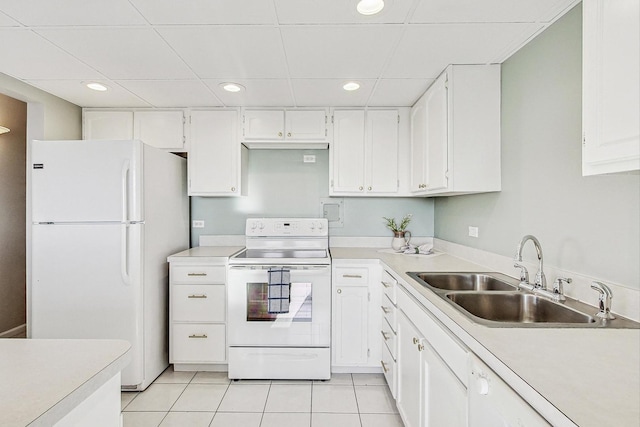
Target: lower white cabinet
[355, 341]
[432, 370]
[197, 313]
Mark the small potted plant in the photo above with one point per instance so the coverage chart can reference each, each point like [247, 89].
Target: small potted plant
[401, 236]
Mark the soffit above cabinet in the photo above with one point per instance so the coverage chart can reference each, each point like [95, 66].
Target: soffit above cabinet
[286, 53]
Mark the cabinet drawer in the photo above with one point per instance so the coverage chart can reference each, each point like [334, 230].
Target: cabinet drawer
[351, 276]
[198, 274]
[389, 312]
[193, 342]
[390, 286]
[198, 303]
[445, 344]
[390, 338]
[389, 368]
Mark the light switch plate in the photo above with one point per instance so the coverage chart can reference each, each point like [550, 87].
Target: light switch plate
[473, 231]
[197, 223]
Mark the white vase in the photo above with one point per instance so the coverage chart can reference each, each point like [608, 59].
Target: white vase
[397, 243]
[400, 239]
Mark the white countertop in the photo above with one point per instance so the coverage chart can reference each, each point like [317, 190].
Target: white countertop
[588, 376]
[203, 252]
[43, 380]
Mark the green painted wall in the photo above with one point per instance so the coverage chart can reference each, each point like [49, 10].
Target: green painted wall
[590, 225]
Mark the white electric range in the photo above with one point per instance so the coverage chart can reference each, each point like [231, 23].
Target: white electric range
[279, 301]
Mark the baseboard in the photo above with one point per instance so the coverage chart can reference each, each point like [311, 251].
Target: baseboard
[17, 332]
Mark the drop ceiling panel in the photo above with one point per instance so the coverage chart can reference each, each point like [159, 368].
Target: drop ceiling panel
[229, 52]
[446, 11]
[72, 12]
[121, 53]
[207, 11]
[398, 92]
[257, 93]
[322, 92]
[339, 51]
[426, 50]
[26, 55]
[337, 12]
[172, 93]
[77, 93]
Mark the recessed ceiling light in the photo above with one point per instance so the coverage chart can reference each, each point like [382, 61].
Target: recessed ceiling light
[232, 87]
[370, 7]
[351, 86]
[97, 86]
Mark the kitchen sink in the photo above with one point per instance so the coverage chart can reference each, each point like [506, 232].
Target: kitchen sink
[466, 281]
[516, 307]
[494, 300]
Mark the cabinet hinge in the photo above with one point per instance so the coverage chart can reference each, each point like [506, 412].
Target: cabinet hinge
[398, 118]
[368, 352]
[368, 296]
[325, 119]
[446, 82]
[331, 119]
[398, 184]
[243, 119]
[584, 139]
[184, 120]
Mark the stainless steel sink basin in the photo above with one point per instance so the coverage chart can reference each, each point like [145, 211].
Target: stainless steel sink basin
[517, 307]
[466, 281]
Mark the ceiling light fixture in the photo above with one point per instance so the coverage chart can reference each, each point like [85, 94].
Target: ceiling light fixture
[232, 87]
[370, 7]
[97, 86]
[4, 130]
[351, 86]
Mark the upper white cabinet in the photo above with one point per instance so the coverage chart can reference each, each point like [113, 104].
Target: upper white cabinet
[364, 153]
[159, 128]
[610, 82]
[455, 133]
[217, 161]
[284, 128]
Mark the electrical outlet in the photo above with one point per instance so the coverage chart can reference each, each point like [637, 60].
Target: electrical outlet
[198, 223]
[473, 231]
[309, 158]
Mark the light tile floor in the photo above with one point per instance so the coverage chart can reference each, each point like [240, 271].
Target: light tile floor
[209, 399]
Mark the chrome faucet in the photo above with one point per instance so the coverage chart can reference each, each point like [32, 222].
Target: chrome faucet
[604, 300]
[540, 281]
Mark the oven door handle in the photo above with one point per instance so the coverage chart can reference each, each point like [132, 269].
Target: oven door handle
[288, 267]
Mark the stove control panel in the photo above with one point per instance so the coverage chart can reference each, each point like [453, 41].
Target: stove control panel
[296, 227]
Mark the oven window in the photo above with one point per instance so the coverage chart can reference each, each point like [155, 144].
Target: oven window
[258, 303]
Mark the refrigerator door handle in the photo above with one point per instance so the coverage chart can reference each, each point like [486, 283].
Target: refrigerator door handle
[124, 260]
[126, 168]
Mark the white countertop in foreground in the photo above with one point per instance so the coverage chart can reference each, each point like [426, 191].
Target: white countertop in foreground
[43, 380]
[589, 376]
[201, 253]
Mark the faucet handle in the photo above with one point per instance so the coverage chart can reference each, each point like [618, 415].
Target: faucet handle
[524, 275]
[604, 300]
[558, 288]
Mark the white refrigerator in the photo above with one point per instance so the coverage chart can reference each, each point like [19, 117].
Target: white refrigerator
[104, 217]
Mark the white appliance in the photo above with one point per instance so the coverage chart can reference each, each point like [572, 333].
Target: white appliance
[105, 215]
[281, 329]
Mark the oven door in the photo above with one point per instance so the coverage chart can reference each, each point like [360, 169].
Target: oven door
[306, 320]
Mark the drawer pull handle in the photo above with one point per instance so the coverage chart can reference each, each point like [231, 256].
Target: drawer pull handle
[384, 366]
[196, 274]
[386, 310]
[385, 284]
[197, 296]
[385, 335]
[420, 347]
[198, 336]
[352, 276]
[415, 340]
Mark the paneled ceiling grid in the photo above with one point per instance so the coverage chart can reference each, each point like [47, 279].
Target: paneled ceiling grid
[166, 53]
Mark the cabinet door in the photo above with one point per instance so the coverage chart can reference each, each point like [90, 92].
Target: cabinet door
[611, 112]
[437, 134]
[214, 158]
[347, 152]
[160, 129]
[306, 125]
[410, 373]
[116, 125]
[445, 396]
[264, 125]
[418, 146]
[350, 325]
[382, 151]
